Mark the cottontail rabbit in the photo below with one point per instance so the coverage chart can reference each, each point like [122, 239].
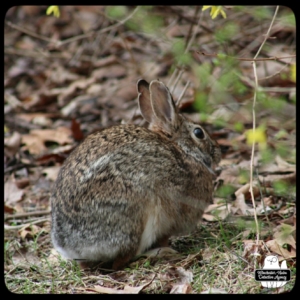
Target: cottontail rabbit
[127, 188]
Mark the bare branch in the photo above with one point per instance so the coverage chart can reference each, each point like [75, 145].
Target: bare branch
[249, 59]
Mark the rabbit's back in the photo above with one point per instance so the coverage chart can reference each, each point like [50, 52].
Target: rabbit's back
[113, 187]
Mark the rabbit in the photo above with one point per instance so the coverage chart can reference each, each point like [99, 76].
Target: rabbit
[128, 188]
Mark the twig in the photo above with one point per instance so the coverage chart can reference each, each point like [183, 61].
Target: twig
[254, 126]
[266, 89]
[17, 227]
[28, 214]
[262, 201]
[189, 44]
[188, 39]
[29, 32]
[88, 34]
[72, 39]
[182, 93]
[249, 59]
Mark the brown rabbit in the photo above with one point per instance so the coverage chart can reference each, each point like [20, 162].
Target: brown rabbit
[127, 188]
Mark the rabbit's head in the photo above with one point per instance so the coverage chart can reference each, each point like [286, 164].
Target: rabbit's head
[158, 108]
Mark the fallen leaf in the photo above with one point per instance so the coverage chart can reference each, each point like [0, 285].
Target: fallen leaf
[271, 178]
[51, 172]
[159, 252]
[184, 288]
[12, 144]
[276, 248]
[214, 291]
[183, 285]
[53, 257]
[284, 235]
[35, 140]
[8, 209]
[241, 207]
[12, 193]
[77, 133]
[26, 259]
[127, 289]
[113, 71]
[209, 218]
[218, 212]
[29, 230]
[279, 166]
[253, 250]
[60, 75]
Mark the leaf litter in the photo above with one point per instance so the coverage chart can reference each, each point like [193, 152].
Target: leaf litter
[54, 96]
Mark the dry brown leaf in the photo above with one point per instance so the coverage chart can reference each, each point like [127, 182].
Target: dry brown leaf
[278, 166]
[160, 252]
[127, 289]
[253, 250]
[113, 71]
[53, 257]
[183, 285]
[209, 218]
[109, 60]
[51, 172]
[26, 259]
[184, 288]
[29, 230]
[276, 248]
[218, 212]
[12, 144]
[271, 178]
[74, 104]
[67, 92]
[35, 140]
[229, 175]
[214, 291]
[29, 117]
[59, 75]
[12, 193]
[240, 206]
[8, 209]
[284, 234]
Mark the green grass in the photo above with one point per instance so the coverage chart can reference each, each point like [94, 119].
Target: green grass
[213, 254]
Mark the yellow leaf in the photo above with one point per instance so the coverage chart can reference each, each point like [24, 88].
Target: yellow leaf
[293, 72]
[256, 136]
[53, 9]
[215, 10]
[206, 7]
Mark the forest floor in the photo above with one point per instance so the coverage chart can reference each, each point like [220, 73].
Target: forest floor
[69, 76]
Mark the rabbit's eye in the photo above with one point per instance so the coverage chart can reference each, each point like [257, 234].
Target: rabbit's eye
[199, 133]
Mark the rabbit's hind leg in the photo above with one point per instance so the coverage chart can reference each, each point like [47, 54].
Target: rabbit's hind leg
[122, 259]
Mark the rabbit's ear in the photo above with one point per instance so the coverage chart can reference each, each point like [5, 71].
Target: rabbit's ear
[163, 106]
[144, 100]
